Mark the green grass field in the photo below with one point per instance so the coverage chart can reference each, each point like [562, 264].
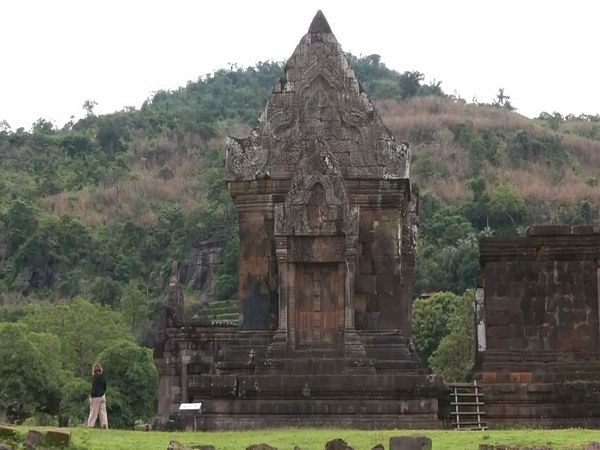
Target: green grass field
[314, 439]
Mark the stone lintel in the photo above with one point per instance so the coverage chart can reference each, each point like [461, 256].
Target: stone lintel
[399, 190]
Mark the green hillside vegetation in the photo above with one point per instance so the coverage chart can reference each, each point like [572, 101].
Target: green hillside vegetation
[97, 210]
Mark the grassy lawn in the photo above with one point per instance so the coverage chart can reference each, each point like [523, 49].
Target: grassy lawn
[314, 439]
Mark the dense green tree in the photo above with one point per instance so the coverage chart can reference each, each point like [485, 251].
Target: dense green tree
[447, 253]
[431, 318]
[507, 209]
[29, 377]
[132, 383]
[455, 354]
[20, 220]
[135, 307]
[84, 329]
[74, 403]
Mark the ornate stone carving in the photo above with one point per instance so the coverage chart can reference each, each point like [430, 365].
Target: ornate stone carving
[310, 249]
[352, 221]
[317, 202]
[319, 98]
[393, 157]
[244, 159]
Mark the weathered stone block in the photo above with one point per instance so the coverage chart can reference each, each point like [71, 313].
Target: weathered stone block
[176, 445]
[337, 444]
[33, 439]
[410, 443]
[489, 377]
[366, 284]
[58, 438]
[260, 447]
[520, 377]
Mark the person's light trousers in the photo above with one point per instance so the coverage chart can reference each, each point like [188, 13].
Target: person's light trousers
[98, 408]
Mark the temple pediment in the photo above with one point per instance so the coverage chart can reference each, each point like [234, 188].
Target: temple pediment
[318, 98]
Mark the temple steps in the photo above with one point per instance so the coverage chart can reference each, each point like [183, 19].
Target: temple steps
[396, 365]
[361, 421]
[374, 337]
[220, 310]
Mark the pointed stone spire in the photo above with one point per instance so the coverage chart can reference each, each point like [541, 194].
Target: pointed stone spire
[319, 99]
[319, 24]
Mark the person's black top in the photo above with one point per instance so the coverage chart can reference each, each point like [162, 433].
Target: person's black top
[98, 385]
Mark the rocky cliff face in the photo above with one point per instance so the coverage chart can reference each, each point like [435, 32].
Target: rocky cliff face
[199, 272]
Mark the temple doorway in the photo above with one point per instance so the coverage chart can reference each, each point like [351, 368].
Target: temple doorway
[319, 307]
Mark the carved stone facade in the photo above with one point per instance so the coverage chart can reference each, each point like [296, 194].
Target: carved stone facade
[327, 226]
[538, 327]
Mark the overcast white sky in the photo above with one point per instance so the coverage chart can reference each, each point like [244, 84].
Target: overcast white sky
[56, 54]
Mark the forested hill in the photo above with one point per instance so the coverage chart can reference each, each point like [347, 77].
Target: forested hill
[101, 207]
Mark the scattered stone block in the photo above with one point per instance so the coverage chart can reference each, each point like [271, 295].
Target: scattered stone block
[57, 438]
[410, 443]
[337, 444]
[260, 447]
[592, 446]
[4, 447]
[33, 439]
[378, 447]
[176, 445]
[201, 447]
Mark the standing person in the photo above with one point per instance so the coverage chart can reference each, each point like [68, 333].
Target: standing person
[98, 398]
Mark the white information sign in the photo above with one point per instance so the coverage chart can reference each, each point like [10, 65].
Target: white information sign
[190, 406]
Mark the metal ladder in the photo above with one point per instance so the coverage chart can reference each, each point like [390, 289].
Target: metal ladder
[467, 406]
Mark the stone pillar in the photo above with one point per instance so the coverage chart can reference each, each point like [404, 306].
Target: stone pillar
[353, 346]
[283, 269]
[598, 296]
[256, 264]
[168, 389]
[350, 274]
[480, 319]
[279, 344]
[185, 360]
[291, 305]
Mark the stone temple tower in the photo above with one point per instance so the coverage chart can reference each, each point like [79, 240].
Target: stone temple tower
[327, 214]
[327, 223]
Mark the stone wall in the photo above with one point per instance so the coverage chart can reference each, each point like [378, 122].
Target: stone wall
[386, 265]
[538, 325]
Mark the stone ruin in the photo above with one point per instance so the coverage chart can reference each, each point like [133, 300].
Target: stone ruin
[327, 225]
[538, 327]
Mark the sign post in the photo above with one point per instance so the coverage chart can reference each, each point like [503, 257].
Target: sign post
[194, 408]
